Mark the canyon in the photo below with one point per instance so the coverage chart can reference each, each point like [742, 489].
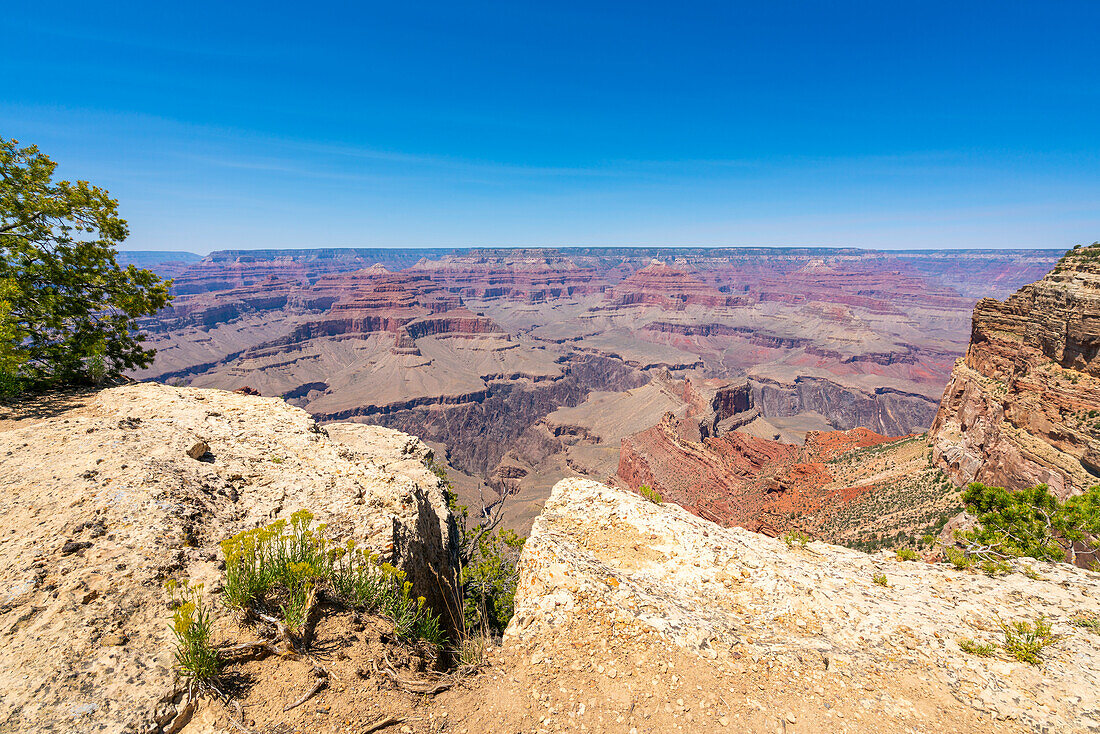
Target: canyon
[632, 612]
[521, 367]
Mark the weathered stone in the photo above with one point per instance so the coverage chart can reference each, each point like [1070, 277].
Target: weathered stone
[1023, 406]
[199, 450]
[598, 555]
[103, 612]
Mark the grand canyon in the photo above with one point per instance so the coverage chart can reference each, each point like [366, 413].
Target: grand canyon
[522, 367]
[630, 614]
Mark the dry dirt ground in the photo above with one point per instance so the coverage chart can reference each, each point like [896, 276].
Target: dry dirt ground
[597, 676]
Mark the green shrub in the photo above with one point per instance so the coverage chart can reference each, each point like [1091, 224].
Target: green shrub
[880, 579]
[796, 536]
[982, 649]
[991, 567]
[1025, 640]
[907, 554]
[959, 559]
[192, 625]
[650, 494]
[488, 560]
[1030, 522]
[1091, 622]
[280, 566]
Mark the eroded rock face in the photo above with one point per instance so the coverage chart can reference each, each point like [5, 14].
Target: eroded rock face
[603, 558]
[1023, 406]
[100, 505]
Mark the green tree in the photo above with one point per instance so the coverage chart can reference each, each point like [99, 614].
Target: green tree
[67, 308]
[488, 561]
[1031, 522]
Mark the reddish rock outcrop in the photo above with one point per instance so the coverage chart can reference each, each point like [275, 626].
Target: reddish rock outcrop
[666, 287]
[738, 479]
[1023, 406]
[528, 276]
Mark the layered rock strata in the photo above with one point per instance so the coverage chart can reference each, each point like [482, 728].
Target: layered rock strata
[1023, 406]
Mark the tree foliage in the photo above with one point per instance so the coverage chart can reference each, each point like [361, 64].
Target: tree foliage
[488, 559]
[67, 308]
[1031, 523]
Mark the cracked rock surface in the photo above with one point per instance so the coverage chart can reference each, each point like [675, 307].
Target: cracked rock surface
[599, 556]
[101, 504]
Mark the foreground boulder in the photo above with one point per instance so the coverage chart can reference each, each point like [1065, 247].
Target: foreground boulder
[681, 623]
[101, 504]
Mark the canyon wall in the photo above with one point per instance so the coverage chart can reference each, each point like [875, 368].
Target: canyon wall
[883, 409]
[1023, 406]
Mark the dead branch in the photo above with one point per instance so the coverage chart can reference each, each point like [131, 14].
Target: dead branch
[382, 724]
[321, 682]
[424, 687]
[247, 650]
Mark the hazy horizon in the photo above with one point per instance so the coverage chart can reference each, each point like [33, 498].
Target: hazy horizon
[595, 247]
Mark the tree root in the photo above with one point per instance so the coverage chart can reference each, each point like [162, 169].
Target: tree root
[423, 687]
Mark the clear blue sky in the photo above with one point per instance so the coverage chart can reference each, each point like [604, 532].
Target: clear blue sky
[872, 124]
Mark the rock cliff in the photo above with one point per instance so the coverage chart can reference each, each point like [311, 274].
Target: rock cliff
[677, 622]
[1023, 406]
[101, 504]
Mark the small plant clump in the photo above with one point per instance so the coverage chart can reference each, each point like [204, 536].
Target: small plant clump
[959, 559]
[281, 567]
[907, 554]
[1090, 622]
[795, 536]
[192, 625]
[880, 579]
[650, 494]
[1025, 640]
[981, 649]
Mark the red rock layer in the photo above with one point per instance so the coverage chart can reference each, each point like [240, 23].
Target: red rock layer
[375, 300]
[208, 309]
[666, 287]
[1023, 406]
[533, 279]
[735, 478]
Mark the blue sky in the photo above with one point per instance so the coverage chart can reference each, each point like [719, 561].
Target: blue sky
[870, 124]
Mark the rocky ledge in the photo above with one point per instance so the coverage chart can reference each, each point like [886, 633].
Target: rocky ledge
[1023, 406]
[799, 633]
[101, 504]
